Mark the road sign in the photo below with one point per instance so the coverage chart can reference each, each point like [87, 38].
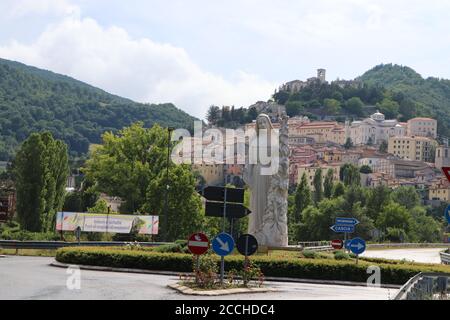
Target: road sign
[446, 171]
[347, 221]
[223, 244]
[78, 233]
[198, 244]
[235, 211]
[347, 244]
[337, 244]
[218, 194]
[343, 229]
[447, 214]
[247, 245]
[357, 246]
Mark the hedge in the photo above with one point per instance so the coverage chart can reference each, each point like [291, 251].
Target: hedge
[301, 268]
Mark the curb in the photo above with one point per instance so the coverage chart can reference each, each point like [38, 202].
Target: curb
[224, 292]
[177, 274]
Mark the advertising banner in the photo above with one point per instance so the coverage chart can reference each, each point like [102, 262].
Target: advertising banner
[70, 221]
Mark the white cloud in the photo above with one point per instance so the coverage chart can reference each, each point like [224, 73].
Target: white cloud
[23, 8]
[140, 69]
[237, 39]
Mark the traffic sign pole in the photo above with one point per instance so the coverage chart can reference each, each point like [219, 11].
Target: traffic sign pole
[222, 259]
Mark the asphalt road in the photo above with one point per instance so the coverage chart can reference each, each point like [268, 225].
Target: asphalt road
[26, 278]
[424, 255]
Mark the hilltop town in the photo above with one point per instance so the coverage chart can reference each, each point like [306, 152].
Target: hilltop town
[393, 153]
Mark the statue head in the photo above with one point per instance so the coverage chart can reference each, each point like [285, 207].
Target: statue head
[263, 122]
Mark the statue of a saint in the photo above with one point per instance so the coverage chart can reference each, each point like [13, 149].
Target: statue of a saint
[269, 182]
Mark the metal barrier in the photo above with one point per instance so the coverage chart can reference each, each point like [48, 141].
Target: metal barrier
[49, 245]
[445, 257]
[408, 245]
[425, 286]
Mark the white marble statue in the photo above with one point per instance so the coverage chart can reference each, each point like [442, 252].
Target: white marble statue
[269, 192]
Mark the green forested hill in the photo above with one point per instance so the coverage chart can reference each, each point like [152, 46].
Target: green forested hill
[33, 100]
[397, 91]
[431, 96]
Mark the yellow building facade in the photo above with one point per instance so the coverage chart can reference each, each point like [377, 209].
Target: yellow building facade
[412, 148]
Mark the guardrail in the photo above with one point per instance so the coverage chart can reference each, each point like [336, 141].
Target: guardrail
[49, 245]
[406, 245]
[313, 246]
[445, 257]
[425, 286]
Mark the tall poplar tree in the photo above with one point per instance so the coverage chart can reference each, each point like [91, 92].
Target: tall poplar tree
[41, 170]
[328, 184]
[302, 197]
[318, 186]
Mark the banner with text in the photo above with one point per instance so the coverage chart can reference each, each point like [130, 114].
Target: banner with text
[113, 223]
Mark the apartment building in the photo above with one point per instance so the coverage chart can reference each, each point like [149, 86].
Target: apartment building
[424, 127]
[416, 148]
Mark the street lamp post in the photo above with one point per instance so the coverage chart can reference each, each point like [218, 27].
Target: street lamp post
[166, 204]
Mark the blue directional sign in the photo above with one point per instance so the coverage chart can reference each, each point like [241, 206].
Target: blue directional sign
[357, 246]
[347, 221]
[347, 244]
[447, 214]
[223, 244]
[343, 228]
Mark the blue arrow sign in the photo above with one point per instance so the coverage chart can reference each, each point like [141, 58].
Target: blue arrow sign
[343, 228]
[447, 214]
[223, 244]
[347, 244]
[347, 221]
[357, 246]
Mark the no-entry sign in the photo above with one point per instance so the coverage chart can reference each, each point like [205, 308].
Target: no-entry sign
[198, 244]
[337, 244]
[446, 171]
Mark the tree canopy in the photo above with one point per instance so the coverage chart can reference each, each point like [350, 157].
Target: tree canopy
[132, 165]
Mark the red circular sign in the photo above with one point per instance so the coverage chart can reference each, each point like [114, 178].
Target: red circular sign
[198, 244]
[337, 244]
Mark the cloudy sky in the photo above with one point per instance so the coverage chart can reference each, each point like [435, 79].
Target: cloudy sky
[201, 52]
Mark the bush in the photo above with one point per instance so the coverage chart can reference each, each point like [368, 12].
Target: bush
[205, 271]
[319, 269]
[341, 255]
[250, 272]
[309, 254]
[179, 246]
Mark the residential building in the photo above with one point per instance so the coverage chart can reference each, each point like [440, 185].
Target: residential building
[320, 131]
[442, 157]
[311, 169]
[295, 140]
[416, 148]
[440, 191]
[409, 169]
[341, 155]
[213, 174]
[379, 165]
[300, 156]
[374, 130]
[424, 127]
